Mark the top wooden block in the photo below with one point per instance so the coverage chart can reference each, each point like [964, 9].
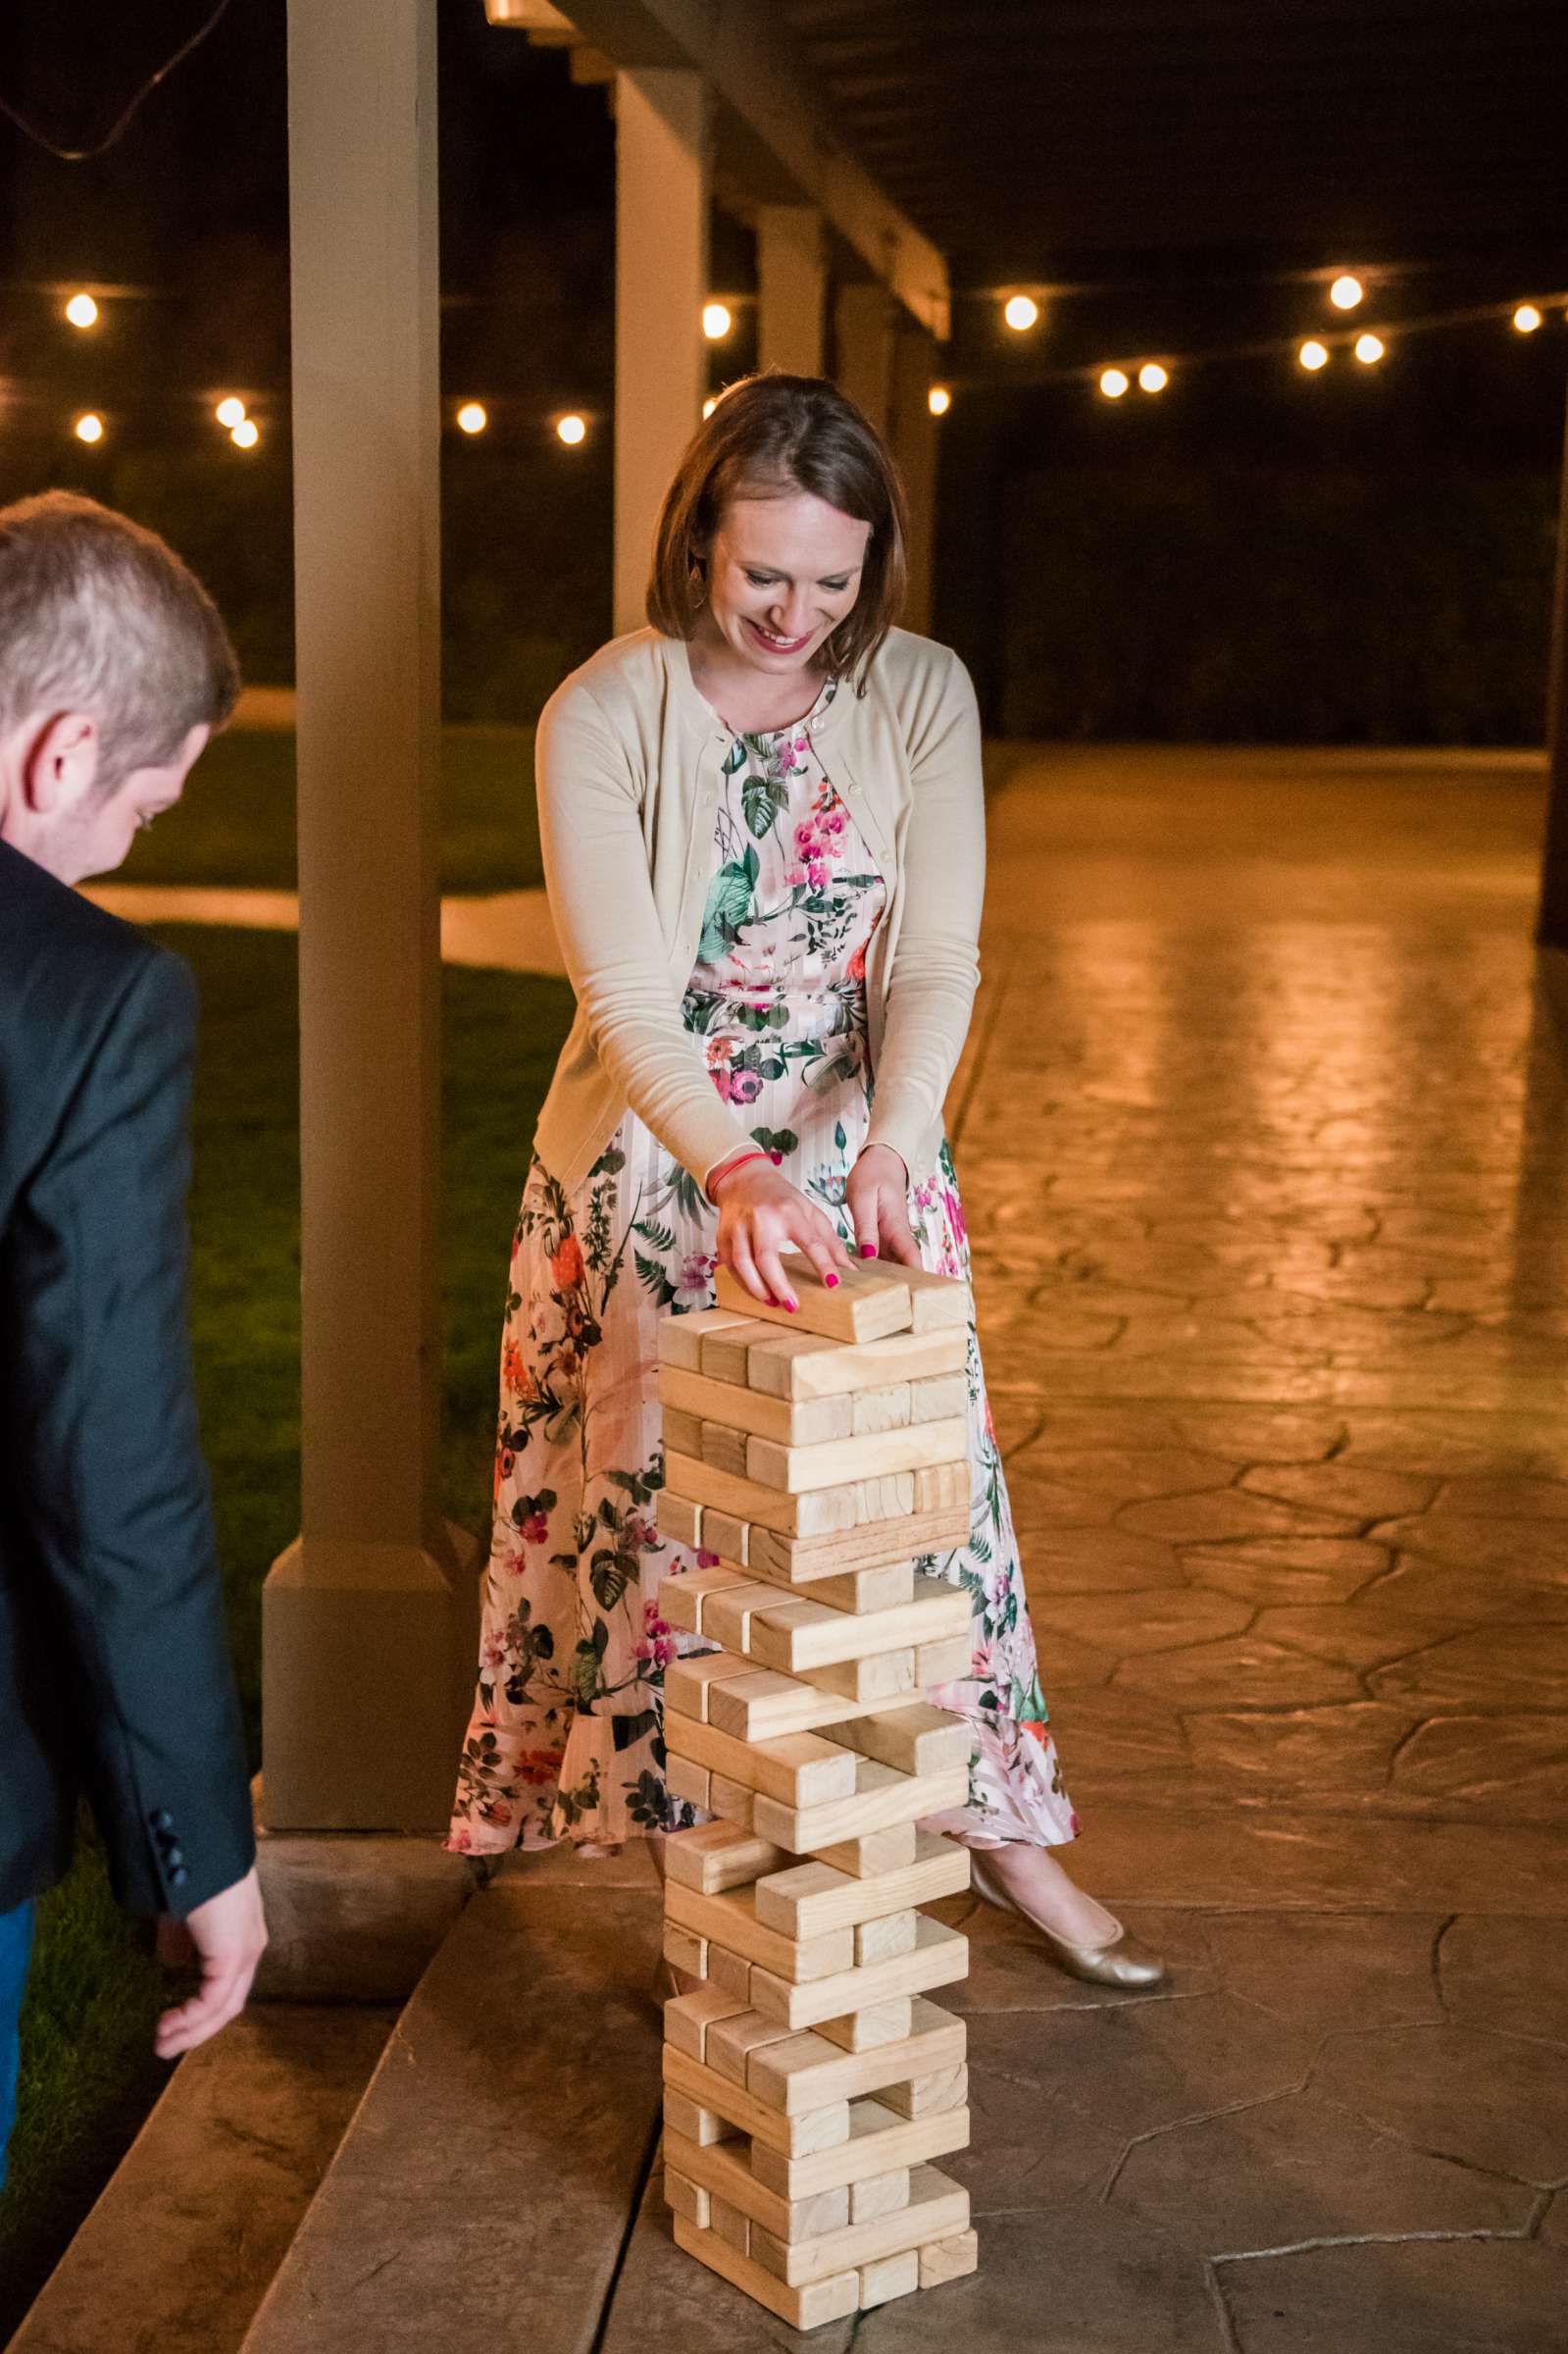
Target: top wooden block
[680, 1338]
[865, 1304]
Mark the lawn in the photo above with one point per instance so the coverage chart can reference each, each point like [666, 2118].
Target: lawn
[88, 2075]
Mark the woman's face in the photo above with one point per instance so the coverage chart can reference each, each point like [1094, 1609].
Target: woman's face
[783, 573]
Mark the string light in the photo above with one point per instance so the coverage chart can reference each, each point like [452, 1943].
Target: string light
[1369, 350]
[1345, 292]
[81, 311]
[1152, 378]
[88, 428]
[1022, 313]
[717, 321]
[572, 431]
[709, 405]
[245, 435]
[473, 417]
[939, 400]
[1113, 383]
[1527, 319]
[1313, 355]
[231, 412]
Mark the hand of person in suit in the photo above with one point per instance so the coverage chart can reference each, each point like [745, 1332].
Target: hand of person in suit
[228, 1936]
[876, 1198]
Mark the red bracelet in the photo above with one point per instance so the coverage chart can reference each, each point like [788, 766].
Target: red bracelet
[738, 1162]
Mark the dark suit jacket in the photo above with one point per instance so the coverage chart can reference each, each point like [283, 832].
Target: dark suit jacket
[114, 1671]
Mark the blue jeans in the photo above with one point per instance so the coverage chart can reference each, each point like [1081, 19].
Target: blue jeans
[16, 1949]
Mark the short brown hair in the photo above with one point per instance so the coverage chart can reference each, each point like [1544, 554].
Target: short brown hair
[99, 615]
[768, 435]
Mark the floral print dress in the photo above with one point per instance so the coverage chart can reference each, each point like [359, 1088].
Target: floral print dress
[566, 1739]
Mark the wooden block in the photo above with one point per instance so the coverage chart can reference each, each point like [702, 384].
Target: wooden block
[939, 2208]
[680, 1338]
[716, 1856]
[724, 1449]
[834, 2299]
[860, 1306]
[918, 1739]
[878, 2140]
[880, 1940]
[734, 1801]
[939, 1396]
[727, 1611]
[802, 1561]
[679, 1518]
[723, 2172]
[797, 1635]
[948, 2259]
[682, 1431]
[764, 1704]
[874, 1856]
[804, 1899]
[731, 2041]
[879, 2194]
[691, 1782]
[817, 1515]
[885, 1680]
[688, 1683]
[799, 1770]
[697, 2125]
[948, 1663]
[683, 1597]
[685, 2198]
[937, 1303]
[890, 1497]
[684, 1952]
[731, 1920]
[863, 1590]
[726, 1536]
[931, 1445]
[938, 1957]
[869, 2028]
[688, 2016]
[890, 2277]
[891, 1409]
[725, 1349]
[943, 1487]
[794, 1422]
[798, 1364]
[731, 1973]
[940, 2094]
[794, 2133]
[803, 2073]
[731, 2225]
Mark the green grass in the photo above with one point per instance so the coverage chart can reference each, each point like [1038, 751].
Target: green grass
[235, 824]
[88, 2075]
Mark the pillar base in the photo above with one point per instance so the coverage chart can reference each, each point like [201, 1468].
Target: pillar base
[368, 1662]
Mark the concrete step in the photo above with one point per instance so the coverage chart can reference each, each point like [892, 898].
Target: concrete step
[180, 2249]
[486, 2188]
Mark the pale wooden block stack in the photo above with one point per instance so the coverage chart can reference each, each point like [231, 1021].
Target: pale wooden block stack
[810, 2083]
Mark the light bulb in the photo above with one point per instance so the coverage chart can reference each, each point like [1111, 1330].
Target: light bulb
[245, 435]
[709, 405]
[1021, 313]
[1369, 350]
[231, 412]
[81, 311]
[939, 400]
[1313, 355]
[1345, 292]
[1152, 378]
[89, 427]
[473, 417]
[572, 431]
[716, 321]
[1527, 319]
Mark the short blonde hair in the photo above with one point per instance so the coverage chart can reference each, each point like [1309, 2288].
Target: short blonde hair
[99, 615]
[767, 437]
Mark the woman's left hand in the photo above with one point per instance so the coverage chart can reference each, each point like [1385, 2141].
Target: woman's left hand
[876, 1198]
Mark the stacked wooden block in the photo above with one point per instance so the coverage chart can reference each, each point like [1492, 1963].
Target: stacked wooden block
[809, 2081]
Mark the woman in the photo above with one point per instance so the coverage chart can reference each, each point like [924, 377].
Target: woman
[762, 831]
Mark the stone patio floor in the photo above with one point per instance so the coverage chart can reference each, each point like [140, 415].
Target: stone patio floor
[1262, 1145]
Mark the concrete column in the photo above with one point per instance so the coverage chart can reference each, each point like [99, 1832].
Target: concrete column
[367, 1620]
[791, 277]
[913, 430]
[661, 280]
[863, 336]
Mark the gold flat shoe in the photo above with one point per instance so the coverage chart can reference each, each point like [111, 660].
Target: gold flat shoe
[1120, 1962]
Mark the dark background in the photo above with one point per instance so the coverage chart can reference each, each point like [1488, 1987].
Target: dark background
[1361, 556]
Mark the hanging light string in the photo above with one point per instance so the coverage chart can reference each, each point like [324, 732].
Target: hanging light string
[123, 122]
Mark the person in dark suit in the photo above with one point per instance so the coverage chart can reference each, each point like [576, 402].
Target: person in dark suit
[115, 1679]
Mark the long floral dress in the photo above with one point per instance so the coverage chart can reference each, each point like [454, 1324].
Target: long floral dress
[566, 1735]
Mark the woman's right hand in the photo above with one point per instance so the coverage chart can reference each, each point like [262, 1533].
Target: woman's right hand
[760, 1214]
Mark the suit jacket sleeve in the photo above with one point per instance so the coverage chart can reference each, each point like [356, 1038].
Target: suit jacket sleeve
[107, 1468]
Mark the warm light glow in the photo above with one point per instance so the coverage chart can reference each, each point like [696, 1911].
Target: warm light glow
[939, 400]
[1345, 292]
[245, 435]
[1113, 383]
[473, 417]
[81, 311]
[1527, 319]
[716, 322]
[231, 412]
[89, 427]
[1022, 313]
[1313, 355]
[572, 431]
[1369, 350]
[709, 405]
[1152, 378]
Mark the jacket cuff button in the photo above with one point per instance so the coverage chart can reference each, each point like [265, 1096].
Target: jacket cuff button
[178, 1876]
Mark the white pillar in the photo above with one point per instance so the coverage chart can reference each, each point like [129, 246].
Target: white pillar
[912, 432]
[661, 282]
[791, 280]
[863, 336]
[367, 1620]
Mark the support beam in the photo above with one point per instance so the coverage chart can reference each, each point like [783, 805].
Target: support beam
[660, 275]
[1551, 931]
[368, 1620]
[912, 432]
[791, 279]
[863, 319]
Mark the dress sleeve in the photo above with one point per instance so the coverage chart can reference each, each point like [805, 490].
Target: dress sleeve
[601, 896]
[936, 969]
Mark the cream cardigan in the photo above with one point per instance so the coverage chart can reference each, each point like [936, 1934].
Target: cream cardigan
[629, 767]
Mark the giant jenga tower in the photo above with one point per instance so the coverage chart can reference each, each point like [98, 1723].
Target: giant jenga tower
[808, 2081]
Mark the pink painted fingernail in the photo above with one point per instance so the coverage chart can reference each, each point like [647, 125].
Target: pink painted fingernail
[777, 1158]
[868, 1250]
[789, 1307]
[832, 1281]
